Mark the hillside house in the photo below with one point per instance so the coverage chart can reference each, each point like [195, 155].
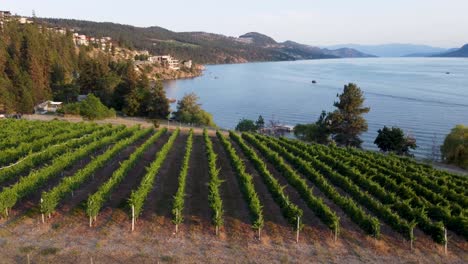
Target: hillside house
[47, 107]
[80, 40]
[166, 60]
[187, 64]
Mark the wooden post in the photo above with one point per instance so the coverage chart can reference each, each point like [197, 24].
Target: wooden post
[297, 230]
[133, 217]
[6, 212]
[259, 233]
[177, 225]
[336, 233]
[411, 238]
[27, 259]
[446, 240]
[90, 221]
[43, 218]
[217, 227]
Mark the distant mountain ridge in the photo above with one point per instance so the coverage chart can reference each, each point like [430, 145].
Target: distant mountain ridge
[203, 47]
[461, 52]
[393, 50]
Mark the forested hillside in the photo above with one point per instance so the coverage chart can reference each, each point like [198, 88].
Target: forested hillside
[30, 60]
[202, 47]
[38, 64]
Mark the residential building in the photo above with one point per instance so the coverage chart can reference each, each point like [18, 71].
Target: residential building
[166, 60]
[47, 107]
[187, 64]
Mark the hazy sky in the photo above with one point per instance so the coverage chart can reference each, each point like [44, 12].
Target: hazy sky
[441, 23]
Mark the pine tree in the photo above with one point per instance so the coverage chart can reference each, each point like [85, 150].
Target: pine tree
[347, 122]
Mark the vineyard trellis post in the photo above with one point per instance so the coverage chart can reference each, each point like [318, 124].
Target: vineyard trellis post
[177, 225]
[133, 217]
[336, 233]
[90, 221]
[217, 225]
[297, 229]
[411, 238]
[446, 240]
[42, 214]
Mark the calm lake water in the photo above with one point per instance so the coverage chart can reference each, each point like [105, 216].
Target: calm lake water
[415, 94]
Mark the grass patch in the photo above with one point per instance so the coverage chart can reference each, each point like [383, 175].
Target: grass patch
[49, 251]
[168, 259]
[27, 249]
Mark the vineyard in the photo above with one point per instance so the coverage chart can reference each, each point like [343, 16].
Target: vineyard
[246, 188]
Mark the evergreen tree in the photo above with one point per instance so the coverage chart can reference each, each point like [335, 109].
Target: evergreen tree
[260, 123]
[347, 122]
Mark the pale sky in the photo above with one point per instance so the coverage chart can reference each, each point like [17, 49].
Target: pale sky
[442, 23]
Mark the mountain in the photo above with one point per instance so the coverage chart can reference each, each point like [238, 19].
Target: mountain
[202, 47]
[392, 50]
[430, 54]
[461, 52]
[258, 39]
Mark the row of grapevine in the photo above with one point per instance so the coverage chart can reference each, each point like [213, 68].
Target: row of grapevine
[28, 131]
[405, 178]
[291, 211]
[138, 197]
[392, 206]
[96, 201]
[179, 198]
[401, 178]
[246, 183]
[214, 196]
[453, 220]
[321, 210]
[11, 155]
[421, 179]
[51, 198]
[368, 223]
[39, 158]
[457, 182]
[26, 185]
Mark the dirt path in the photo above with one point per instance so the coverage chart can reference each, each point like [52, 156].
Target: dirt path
[101, 176]
[120, 195]
[160, 199]
[197, 210]
[30, 203]
[237, 221]
[276, 229]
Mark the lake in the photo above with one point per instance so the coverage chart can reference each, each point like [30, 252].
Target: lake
[415, 94]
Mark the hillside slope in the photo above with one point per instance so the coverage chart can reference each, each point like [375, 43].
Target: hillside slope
[392, 50]
[461, 52]
[202, 47]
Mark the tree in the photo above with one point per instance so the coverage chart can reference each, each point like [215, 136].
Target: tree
[246, 125]
[394, 140]
[455, 147]
[155, 103]
[190, 111]
[318, 132]
[91, 108]
[346, 122]
[260, 123]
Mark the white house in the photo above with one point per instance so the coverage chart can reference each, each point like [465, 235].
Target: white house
[47, 107]
[164, 60]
